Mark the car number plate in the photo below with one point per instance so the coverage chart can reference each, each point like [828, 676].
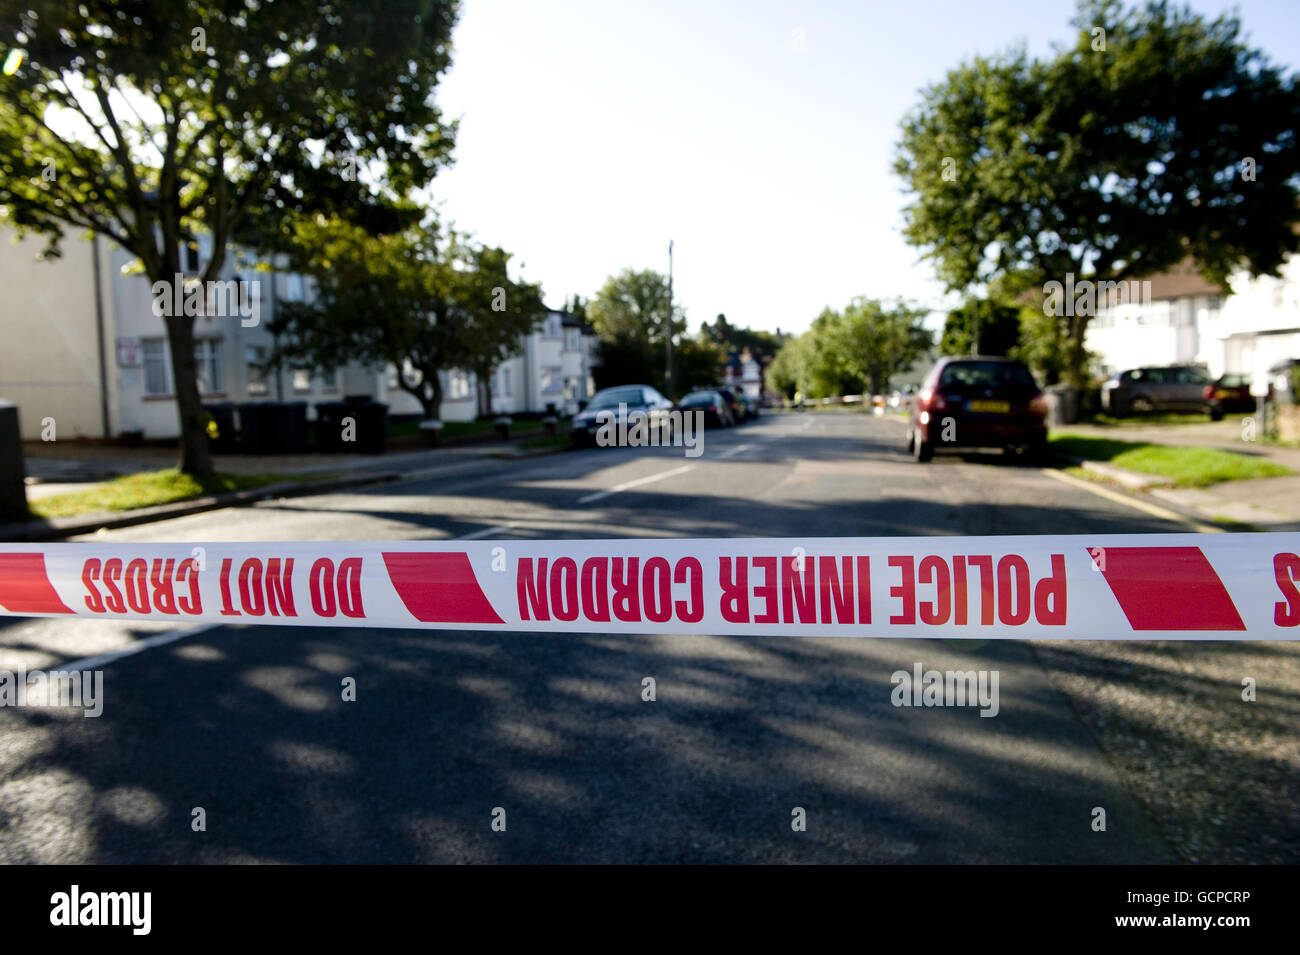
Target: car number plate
[995, 407]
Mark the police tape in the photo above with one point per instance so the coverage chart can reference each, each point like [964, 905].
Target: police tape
[1166, 586]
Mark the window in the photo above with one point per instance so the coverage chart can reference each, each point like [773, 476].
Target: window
[505, 386]
[458, 385]
[572, 339]
[329, 381]
[254, 356]
[301, 381]
[293, 290]
[156, 379]
[207, 362]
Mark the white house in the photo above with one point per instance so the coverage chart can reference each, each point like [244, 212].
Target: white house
[744, 374]
[553, 367]
[1187, 320]
[84, 347]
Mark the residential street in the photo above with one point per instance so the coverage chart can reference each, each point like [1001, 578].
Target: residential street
[247, 722]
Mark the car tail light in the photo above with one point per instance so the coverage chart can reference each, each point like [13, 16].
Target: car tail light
[1038, 405]
[1208, 392]
[930, 400]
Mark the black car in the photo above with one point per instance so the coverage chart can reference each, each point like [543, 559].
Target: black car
[622, 405]
[978, 403]
[739, 412]
[717, 413]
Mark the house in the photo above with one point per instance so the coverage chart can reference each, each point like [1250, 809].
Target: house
[743, 374]
[1180, 318]
[86, 347]
[553, 368]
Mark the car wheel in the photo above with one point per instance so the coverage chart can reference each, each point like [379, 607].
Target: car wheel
[1216, 412]
[922, 451]
[1141, 404]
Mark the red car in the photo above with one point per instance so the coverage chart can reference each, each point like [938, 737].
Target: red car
[978, 403]
[1231, 393]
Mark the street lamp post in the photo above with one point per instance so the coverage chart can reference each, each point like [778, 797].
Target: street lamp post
[669, 377]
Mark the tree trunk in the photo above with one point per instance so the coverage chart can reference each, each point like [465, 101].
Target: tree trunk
[195, 455]
[431, 392]
[485, 381]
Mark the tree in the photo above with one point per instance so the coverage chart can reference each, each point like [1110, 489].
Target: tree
[418, 300]
[496, 313]
[153, 121]
[762, 345]
[697, 364]
[878, 341]
[1164, 138]
[785, 371]
[632, 304]
[826, 369]
[981, 327]
[630, 315]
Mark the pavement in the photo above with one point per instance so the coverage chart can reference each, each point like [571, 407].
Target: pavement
[248, 724]
[1270, 504]
[67, 468]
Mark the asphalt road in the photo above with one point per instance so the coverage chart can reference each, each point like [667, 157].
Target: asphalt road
[248, 722]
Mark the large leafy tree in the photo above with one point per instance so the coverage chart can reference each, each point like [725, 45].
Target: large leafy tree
[495, 310]
[785, 372]
[981, 327]
[152, 120]
[630, 315]
[877, 340]
[1163, 139]
[420, 300]
[762, 345]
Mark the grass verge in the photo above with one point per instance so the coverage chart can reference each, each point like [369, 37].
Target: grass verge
[1181, 466]
[149, 489]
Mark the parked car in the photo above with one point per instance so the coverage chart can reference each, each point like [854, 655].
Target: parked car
[736, 402]
[1179, 388]
[636, 400]
[978, 402]
[717, 413]
[1230, 393]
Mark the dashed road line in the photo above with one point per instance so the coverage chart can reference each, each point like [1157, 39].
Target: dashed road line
[628, 485]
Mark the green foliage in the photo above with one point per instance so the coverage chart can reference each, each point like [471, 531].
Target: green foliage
[153, 121]
[785, 371]
[981, 327]
[418, 300]
[633, 306]
[1116, 162]
[697, 364]
[849, 352]
[762, 345]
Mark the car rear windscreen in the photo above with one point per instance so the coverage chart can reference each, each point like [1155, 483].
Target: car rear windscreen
[986, 374]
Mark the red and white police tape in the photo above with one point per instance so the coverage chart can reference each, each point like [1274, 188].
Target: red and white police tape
[1165, 586]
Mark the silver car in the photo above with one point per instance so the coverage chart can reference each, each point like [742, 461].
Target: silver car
[1143, 390]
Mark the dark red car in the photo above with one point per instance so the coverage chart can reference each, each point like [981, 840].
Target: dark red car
[1231, 393]
[978, 403]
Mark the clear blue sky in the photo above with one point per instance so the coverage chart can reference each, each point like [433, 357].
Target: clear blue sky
[593, 131]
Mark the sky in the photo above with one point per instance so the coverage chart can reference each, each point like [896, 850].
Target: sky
[757, 136]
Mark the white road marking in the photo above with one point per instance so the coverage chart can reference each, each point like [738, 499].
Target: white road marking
[162, 639]
[1152, 509]
[628, 485]
[736, 450]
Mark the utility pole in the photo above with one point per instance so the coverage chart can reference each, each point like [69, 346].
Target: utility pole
[669, 378]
